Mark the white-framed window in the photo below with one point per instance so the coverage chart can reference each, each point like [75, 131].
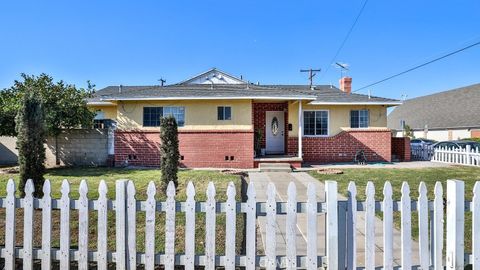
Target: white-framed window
[224, 113]
[315, 123]
[151, 115]
[359, 118]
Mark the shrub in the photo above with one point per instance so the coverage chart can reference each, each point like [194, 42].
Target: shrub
[169, 150]
[30, 127]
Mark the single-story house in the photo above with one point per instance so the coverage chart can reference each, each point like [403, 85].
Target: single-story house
[448, 115]
[222, 118]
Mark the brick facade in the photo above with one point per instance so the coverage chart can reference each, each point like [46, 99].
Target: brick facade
[401, 148]
[343, 146]
[197, 148]
[258, 120]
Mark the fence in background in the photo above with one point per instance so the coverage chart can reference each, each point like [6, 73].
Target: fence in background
[341, 221]
[467, 156]
[421, 152]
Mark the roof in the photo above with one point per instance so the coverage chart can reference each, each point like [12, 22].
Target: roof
[321, 94]
[457, 108]
[216, 84]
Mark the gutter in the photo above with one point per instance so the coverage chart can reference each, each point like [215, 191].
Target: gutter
[392, 103]
[214, 98]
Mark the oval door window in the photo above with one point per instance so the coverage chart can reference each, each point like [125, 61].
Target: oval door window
[275, 126]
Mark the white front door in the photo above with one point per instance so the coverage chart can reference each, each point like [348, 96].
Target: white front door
[275, 132]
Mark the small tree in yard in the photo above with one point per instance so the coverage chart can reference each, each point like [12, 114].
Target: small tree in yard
[169, 153]
[30, 127]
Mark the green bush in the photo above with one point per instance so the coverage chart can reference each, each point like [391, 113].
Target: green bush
[169, 151]
[30, 127]
[472, 139]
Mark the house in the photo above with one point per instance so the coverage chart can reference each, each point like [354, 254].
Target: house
[449, 115]
[219, 114]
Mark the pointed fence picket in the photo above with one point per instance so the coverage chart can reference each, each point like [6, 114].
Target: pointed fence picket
[370, 227]
[338, 253]
[387, 227]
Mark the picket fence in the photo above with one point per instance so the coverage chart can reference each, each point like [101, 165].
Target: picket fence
[467, 156]
[421, 152]
[341, 221]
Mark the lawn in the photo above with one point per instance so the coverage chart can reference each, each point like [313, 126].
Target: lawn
[413, 176]
[141, 177]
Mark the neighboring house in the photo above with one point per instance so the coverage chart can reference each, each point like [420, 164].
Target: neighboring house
[218, 115]
[448, 115]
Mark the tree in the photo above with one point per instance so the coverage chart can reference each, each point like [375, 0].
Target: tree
[169, 153]
[408, 132]
[65, 106]
[30, 129]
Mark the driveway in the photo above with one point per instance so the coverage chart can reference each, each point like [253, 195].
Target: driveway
[301, 180]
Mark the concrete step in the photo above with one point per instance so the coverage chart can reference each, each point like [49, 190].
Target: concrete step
[274, 167]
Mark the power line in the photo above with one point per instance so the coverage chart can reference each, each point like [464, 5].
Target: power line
[421, 65]
[347, 36]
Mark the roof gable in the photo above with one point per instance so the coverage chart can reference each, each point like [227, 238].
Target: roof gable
[213, 76]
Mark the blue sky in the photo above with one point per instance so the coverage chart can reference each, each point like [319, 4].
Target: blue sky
[137, 42]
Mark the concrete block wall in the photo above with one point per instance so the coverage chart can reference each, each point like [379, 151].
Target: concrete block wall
[75, 147]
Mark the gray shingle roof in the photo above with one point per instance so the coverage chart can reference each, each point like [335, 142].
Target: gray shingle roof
[457, 108]
[320, 93]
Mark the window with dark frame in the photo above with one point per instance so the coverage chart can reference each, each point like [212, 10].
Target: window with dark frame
[315, 123]
[359, 118]
[224, 113]
[151, 115]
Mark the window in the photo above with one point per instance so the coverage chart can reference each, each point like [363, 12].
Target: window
[224, 113]
[359, 119]
[315, 123]
[151, 115]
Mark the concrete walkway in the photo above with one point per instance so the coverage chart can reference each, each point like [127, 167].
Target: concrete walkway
[301, 180]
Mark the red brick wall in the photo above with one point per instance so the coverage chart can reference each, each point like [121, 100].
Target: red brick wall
[258, 115]
[198, 148]
[401, 148]
[343, 146]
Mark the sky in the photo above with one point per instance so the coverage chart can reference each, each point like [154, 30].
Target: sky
[139, 42]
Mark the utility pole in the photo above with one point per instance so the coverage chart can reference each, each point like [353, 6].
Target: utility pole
[162, 81]
[311, 74]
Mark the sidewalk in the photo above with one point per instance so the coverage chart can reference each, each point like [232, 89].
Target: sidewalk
[301, 180]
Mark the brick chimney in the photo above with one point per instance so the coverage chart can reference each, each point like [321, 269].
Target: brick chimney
[346, 84]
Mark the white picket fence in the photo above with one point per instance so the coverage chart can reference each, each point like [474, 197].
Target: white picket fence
[421, 152]
[467, 156]
[341, 221]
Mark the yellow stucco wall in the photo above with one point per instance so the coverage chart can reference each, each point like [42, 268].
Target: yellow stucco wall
[199, 114]
[339, 116]
[109, 111]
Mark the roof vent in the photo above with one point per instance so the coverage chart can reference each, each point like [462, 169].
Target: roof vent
[120, 88]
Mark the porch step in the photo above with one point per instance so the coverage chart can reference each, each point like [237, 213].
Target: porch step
[274, 167]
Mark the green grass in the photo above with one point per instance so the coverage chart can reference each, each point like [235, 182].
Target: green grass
[413, 177]
[141, 177]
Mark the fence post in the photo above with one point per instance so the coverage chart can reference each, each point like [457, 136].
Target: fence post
[455, 224]
[342, 234]
[467, 155]
[331, 228]
[121, 223]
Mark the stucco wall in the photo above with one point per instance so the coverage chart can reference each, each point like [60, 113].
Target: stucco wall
[110, 112]
[199, 114]
[440, 135]
[339, 116]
